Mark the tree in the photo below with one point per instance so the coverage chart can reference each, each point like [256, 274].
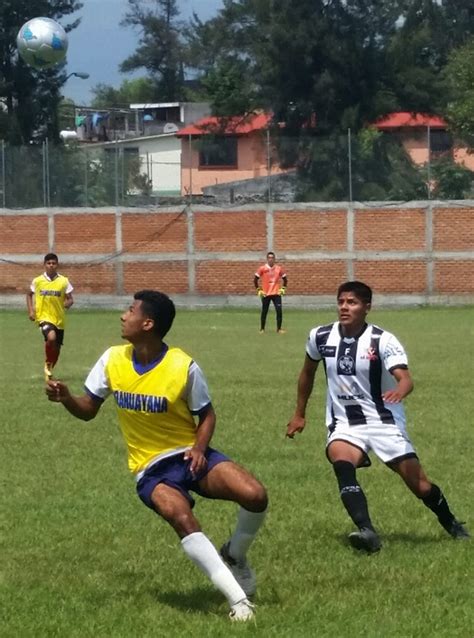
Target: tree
[137, 90]
[161, 47]
[459, 78]
[31, 97]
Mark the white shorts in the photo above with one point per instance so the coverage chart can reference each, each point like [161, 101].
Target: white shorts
[388, 442]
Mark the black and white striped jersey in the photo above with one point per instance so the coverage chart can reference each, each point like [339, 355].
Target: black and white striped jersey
[357, 373]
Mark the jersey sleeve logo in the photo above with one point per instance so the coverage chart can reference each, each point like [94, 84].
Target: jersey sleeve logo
[327, 351]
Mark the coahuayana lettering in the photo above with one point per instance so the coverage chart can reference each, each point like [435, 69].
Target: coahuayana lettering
[140, 402]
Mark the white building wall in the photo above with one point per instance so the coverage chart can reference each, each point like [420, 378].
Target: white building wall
[161, 161]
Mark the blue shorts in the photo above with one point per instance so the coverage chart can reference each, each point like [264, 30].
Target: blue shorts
[174, 471]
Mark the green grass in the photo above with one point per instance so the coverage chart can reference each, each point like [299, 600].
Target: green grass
[82, 557]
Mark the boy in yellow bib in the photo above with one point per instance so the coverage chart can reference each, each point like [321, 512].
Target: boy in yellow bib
[47, 300]
[167, 420]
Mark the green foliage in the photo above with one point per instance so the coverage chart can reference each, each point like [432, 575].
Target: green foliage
[451, 180]
[101, 564]
[160, 49]
[130, 91]
[31, 97]
[77, 176]
[459, 77]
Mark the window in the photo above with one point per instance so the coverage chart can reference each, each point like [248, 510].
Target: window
[218, 151]
[440, 141]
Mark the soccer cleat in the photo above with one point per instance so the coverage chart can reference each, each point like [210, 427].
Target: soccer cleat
[241, 571]
[457, 530]
[281, 331]
[262, 331]
[242, 611]
[48, 371]
[365, 539]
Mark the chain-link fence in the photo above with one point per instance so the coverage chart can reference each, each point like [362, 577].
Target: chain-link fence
[268, 167]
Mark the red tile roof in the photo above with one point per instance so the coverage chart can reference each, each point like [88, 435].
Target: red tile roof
[408, 119]
[235, 125]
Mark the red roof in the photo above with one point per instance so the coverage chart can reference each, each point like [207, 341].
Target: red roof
[408, 119]
[235, 125]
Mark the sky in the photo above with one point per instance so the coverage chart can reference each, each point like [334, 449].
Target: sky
[100, 44]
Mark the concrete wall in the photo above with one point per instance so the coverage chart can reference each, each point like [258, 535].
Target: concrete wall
[421, 252]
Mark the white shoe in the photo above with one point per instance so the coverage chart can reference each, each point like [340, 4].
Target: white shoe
[242, 611]
[241, 571]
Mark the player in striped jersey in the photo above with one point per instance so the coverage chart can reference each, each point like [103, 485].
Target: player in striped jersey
[367, 378]
[167, 420]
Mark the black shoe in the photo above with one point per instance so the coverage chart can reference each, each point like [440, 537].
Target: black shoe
[457, 530]
[365, 539]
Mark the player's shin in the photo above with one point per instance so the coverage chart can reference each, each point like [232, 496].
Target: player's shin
[203, 553]
[248, 524]
[437, 503]
[352, 496]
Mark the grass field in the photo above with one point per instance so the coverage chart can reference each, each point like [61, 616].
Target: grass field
[82, 557]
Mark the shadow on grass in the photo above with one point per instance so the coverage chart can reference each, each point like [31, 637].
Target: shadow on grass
[202, 599]
[199, 599]
[397, 537]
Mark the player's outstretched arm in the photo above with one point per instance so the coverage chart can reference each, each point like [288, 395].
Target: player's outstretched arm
[84, 408]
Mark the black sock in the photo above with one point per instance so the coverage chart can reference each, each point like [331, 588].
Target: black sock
[439, 505]
[351, 494]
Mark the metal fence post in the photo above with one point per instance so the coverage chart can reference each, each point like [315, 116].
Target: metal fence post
[349, 157]
[429, 160]
[269, 168]
[4, 182]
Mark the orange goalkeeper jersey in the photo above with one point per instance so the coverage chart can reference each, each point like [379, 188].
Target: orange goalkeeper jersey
[270, 278]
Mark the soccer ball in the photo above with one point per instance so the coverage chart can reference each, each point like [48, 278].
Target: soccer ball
[42, 43]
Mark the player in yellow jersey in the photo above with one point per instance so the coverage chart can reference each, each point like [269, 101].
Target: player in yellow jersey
[167, 420]
[47, 300]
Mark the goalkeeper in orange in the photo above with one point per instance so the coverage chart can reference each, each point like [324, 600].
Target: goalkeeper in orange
[270, 283]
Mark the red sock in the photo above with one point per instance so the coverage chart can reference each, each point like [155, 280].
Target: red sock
[51, 352]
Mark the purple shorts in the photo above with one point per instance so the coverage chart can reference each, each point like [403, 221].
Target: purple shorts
[174, 471]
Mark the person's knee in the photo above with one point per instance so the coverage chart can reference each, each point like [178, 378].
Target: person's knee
[256, 497]
[345, 472]
[421, 488]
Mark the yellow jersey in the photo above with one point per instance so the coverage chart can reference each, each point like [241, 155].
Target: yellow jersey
[155, 403]
[50, 295]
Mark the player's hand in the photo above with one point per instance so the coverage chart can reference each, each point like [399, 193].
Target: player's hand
[57, 391]
[393, 396]
[32, 316]
[282, 291]
[197, 458]
[296, 424]
[260, 293]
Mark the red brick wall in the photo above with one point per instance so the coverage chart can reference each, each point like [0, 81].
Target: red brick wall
[78, 234]
[389, 230]
[229, 232]
[407, 256]
[23, 233]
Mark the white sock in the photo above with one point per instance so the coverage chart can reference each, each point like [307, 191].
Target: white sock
[203, 553]
[248, 524]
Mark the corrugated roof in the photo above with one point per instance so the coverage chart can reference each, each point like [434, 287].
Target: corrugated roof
[235, 125]
[409, 119]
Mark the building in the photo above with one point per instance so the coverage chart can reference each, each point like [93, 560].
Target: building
[146, 132]
[222, 150]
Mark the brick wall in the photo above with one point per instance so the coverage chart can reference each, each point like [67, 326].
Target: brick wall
[421, 249]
